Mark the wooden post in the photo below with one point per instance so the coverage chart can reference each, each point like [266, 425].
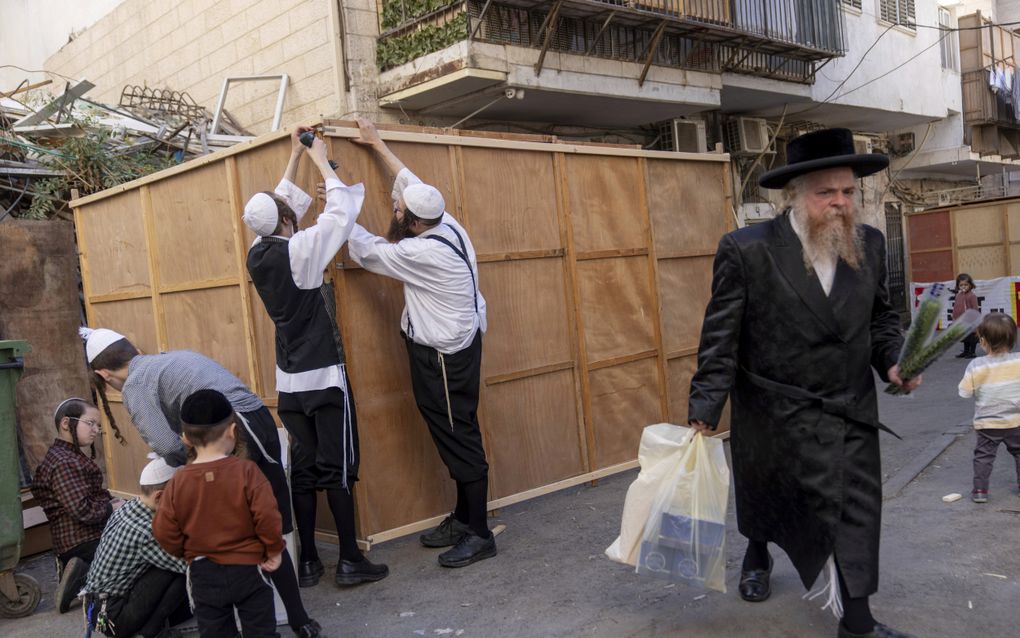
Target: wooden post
[150, 250]
[236, 210]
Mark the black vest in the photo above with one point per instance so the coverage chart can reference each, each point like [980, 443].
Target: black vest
[306, 334]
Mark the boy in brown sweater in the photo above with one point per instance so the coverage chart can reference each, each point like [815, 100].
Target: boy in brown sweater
[220, 515]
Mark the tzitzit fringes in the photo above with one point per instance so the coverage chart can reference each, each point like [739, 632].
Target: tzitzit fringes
[830, 589]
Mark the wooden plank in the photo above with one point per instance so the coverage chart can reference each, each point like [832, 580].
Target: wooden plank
[118, 296]
[1005, 239]
[558, 147]
[154, 283]
[627, 358]
[564, 207]
[684, 254]
[240, 252]
[533, 372]
[653, 284]
[520, 255]
[205, 284]
[611, 253]
[683, 352]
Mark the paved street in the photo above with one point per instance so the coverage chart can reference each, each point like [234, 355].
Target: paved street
[948, 570]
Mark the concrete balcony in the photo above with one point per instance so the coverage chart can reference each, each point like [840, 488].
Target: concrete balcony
[596, 62]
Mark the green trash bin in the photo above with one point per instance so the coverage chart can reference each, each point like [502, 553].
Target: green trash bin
[19, 593]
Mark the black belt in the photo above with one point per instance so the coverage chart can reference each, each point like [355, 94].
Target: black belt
[843, 409]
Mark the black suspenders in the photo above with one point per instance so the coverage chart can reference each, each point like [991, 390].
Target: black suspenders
[462, 253]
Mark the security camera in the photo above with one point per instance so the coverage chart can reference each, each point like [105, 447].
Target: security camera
[510, 93]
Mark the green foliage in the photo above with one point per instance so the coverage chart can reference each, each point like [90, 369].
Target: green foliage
[394, 51]
[91, 165]
[398, 12]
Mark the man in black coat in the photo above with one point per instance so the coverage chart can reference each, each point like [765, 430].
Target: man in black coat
[799, 316]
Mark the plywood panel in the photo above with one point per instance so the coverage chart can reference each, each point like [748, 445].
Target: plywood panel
[128, 460]
[1014, 221]
[195, 238]
[687, 204]
[1014, 251]
[510, 197]
[679, 373]
[983, 263]
[604, 205]
[392, 432]
[685, 286]
[132, 318]
[928, 231]
[431, 163]
[936, 266]
[978, 225]
[624, 399]
[209, 322]
[537, 446]
[114, 235]
[616, 306]
[527, 315]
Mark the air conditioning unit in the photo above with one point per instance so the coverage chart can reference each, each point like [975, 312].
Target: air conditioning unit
[747, 136]
[684, 136]
[863, 145]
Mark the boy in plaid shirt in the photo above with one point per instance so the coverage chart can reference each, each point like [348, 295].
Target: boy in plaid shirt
[144, 587]
[69, 486]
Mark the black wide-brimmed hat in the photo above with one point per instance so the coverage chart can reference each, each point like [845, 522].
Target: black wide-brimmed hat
[818, 150]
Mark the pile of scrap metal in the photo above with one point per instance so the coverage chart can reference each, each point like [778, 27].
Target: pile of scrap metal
[156, 127]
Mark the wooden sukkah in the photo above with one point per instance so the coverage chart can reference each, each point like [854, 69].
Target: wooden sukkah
[595, 262]
[981, 239]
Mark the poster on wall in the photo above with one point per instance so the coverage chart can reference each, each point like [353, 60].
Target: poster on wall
[1001, 294]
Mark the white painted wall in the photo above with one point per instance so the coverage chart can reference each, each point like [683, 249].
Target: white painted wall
[917, 87]
[1008, 11]
[33, 30]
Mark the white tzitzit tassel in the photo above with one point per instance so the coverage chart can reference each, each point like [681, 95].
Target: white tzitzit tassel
[834, 602]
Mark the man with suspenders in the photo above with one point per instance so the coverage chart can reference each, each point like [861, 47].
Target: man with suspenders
[442, 324]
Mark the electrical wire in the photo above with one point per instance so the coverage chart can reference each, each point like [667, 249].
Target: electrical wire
[59, 75]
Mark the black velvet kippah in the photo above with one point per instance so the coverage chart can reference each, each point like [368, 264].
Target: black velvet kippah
[205, 407]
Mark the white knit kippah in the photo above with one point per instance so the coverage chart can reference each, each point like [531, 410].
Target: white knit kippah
[97, 340]
[156, 472]
[424, 201]
[261, 214]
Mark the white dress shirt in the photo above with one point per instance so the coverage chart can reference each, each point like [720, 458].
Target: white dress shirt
[824, 265]
[310, 251]
[439, 295]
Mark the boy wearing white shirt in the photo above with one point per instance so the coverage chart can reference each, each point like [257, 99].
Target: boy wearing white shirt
[315, 402]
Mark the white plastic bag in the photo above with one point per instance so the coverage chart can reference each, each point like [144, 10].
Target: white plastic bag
[674, 517]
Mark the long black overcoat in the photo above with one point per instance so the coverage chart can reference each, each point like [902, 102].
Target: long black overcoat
[797, 365]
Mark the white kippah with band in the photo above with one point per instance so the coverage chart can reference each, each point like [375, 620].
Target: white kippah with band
[156, 472]
[98, 340]
[424, 201]
[261, 214]
[65, 402]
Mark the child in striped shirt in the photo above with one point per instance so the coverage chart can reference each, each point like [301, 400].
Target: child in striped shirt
[994, 382]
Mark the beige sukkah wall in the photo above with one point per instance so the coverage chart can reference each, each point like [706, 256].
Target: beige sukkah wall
[595, 262]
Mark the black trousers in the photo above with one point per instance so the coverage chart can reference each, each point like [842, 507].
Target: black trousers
[218, 589]
[323, 444]
[157, 597]
[85, 551]
[446, 391]
[264, 428]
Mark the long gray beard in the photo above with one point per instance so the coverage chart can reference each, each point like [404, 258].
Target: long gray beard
[843, 240]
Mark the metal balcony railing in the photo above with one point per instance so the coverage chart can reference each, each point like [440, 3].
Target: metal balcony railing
[782, 39]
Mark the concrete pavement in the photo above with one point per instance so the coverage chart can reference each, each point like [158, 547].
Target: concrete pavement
[948, 570]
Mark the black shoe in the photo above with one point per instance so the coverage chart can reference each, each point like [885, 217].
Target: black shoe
[962, 355]
[308, 572]
[880, 631]
[356, 572]
[755, 586]
[970, 355]
[71, 581]
[470, 549]
[310, 629]
[447, 534]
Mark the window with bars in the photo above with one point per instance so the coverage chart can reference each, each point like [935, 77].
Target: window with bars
[856, 4]
[898, 12]
[948, 46]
